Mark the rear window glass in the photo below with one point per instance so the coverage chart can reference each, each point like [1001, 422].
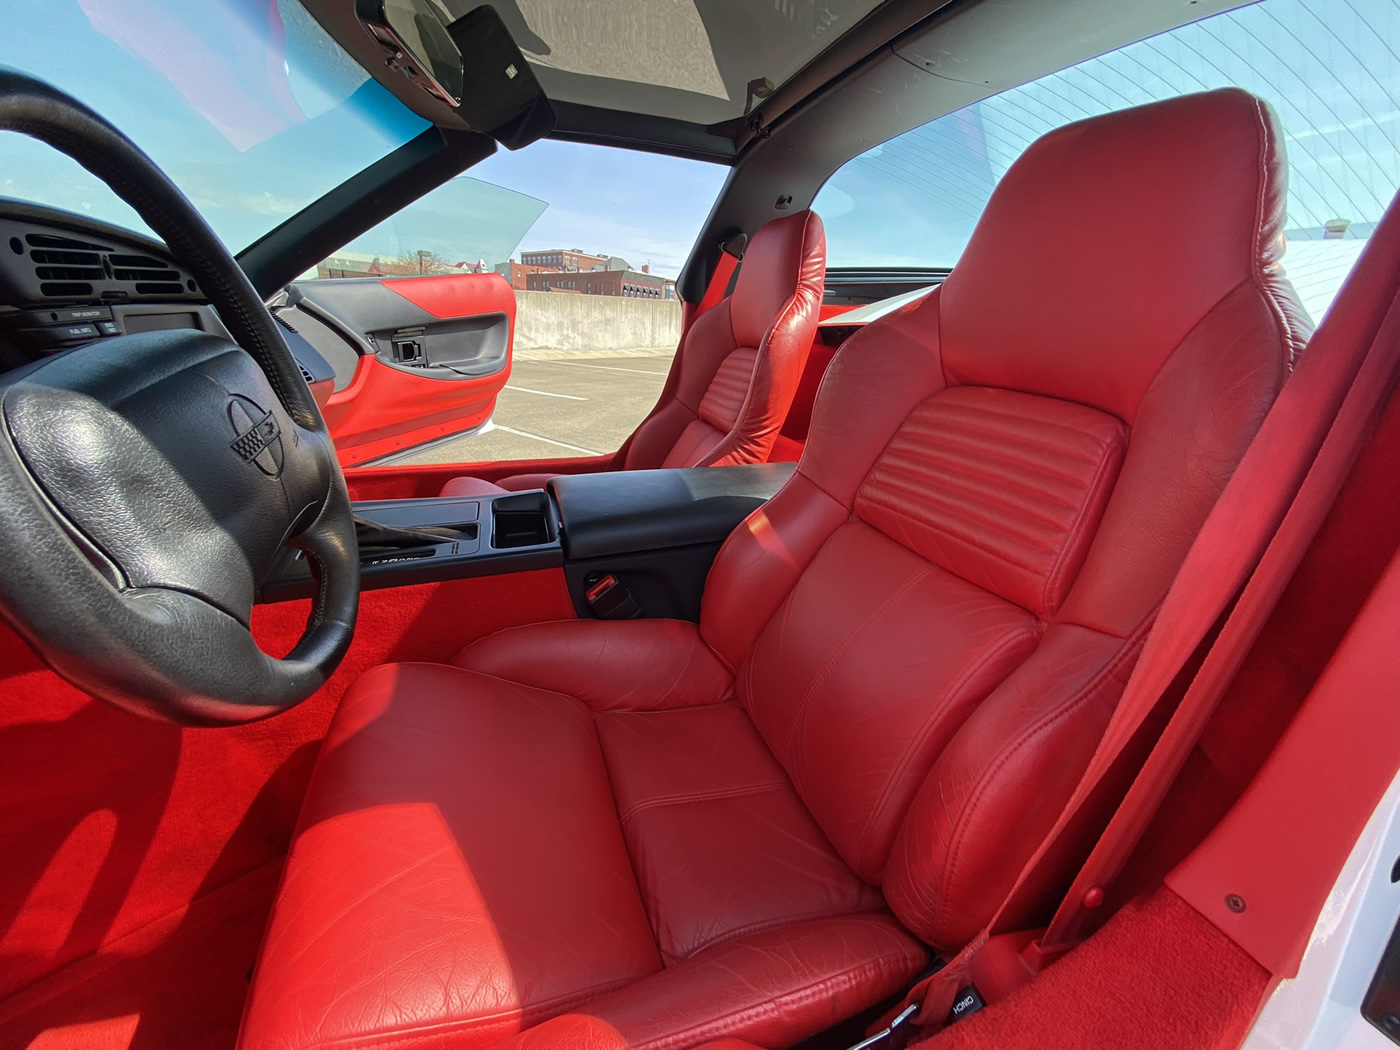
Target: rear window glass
[1330, 69]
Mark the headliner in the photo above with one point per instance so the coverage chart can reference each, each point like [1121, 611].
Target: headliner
[690, 60]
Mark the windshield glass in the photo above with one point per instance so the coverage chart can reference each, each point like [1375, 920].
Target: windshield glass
[247, 105]
[592, 206]
[1329, 68]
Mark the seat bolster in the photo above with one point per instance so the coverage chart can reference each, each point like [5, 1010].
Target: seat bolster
[771, 988]
[466, 487]
[525, 482]
[470, 488]
[581, 1032]
[617, 665]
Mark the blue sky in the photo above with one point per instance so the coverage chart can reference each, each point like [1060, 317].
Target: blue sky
[194, 93]
[189, 81]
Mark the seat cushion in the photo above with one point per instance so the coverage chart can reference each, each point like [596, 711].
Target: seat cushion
[574, 808]
[458, 870]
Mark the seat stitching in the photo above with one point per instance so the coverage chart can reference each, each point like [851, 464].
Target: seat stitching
[771, 924]
[799, 715]
[622, 834]
[700, 796]
[822, 988]
[912, 747]
[1091, 492]
[1007, 441]
[400, 1036]
[1126, 654]
[953, 536]
[993, 519]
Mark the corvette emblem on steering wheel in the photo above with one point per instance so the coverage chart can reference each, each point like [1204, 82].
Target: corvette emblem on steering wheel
[257, 437]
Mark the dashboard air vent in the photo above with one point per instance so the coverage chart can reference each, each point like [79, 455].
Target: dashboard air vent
[151, 276]
[64, 266]
[45, 265]
[306, 374]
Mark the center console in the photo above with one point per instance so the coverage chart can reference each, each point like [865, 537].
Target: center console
[631, 543]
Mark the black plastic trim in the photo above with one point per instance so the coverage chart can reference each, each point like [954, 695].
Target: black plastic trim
[470, 557]
[647, 132]
[326, 225]
[666, 584]
[628, 511]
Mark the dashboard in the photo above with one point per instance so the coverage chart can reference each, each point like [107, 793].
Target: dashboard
[66, 281]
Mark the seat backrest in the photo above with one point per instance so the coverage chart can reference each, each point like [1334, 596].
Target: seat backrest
[738, 367]
[932, 621]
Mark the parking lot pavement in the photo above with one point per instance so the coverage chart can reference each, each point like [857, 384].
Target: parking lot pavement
[558, 405]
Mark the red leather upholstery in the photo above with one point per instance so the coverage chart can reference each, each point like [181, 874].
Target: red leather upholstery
[737, 369]
[663, 834]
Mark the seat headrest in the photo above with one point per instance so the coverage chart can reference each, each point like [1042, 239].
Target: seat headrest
[1109, 240]
[782, 256]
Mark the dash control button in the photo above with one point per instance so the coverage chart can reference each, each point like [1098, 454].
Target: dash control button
[66, 332]
[108, 328]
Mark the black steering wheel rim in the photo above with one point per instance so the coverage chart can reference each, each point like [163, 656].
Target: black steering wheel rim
[147, 481]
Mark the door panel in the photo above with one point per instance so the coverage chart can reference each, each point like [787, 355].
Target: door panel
[416, 358]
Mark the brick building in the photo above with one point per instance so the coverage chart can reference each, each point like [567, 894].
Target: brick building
[569, 259]
[516, 273]
[630, 284]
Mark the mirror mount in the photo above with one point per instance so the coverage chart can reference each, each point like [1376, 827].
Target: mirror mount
[500, 94]
[415, 43]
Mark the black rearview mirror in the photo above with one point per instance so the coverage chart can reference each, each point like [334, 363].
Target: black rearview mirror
[500, 94]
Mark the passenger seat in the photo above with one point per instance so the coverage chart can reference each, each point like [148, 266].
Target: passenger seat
[737, 368]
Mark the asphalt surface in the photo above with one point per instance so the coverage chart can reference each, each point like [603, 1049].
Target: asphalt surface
[561, 404]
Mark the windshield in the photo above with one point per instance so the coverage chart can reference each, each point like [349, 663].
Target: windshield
[247, 105]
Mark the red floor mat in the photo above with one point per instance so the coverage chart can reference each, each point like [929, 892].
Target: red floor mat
[178, 982]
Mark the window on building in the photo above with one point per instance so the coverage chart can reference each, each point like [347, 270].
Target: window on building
[1329, 69]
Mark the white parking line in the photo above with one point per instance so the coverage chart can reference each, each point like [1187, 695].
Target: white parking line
[550, 441]
[606, 368]
[545, 393]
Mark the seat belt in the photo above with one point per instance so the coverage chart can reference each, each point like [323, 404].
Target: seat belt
[1250, 546]
[731, 252]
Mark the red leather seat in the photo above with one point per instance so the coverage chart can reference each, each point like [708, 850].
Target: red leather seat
[737, 368]
[758, 825]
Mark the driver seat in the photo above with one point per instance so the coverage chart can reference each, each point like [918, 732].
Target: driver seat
[759, 825]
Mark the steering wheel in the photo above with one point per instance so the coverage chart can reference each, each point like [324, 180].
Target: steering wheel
[148, 481]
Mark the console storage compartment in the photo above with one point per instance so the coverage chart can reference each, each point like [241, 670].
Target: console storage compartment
[521, 520]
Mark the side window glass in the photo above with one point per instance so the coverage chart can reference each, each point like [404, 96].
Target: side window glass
[1329, 69]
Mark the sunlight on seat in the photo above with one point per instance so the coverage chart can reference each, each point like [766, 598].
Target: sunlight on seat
[111, 1033]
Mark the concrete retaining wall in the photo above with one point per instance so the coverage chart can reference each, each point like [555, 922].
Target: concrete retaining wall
[560, 321]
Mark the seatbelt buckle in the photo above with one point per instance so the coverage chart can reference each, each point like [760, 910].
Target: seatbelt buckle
[967, 1001]
[895, 1035]
[608, 599]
